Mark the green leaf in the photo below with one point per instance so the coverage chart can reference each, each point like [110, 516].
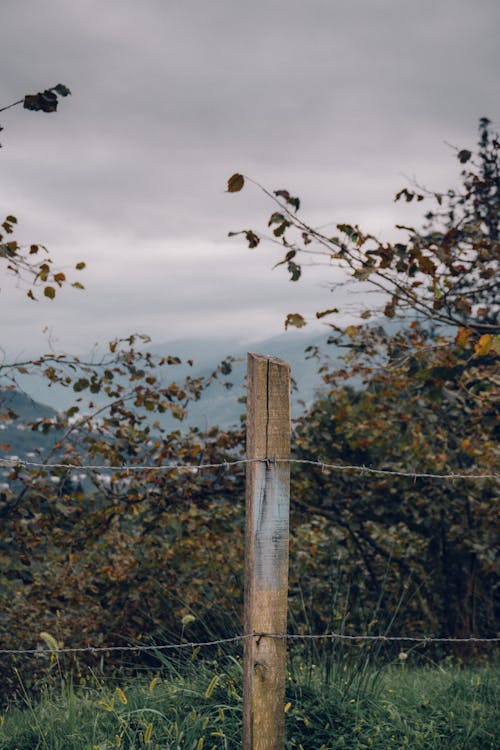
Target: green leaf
[294, 270]
[235, 183]
[281, 229]
[8, 250]
[276, 218]
[295, 202]
[62, 90]
[252, 239]
[81, 385]
[288, 257]
[363, 273]
[346, 229]
[46, 101]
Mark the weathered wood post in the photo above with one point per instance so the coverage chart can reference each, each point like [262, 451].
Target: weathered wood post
[266, 552]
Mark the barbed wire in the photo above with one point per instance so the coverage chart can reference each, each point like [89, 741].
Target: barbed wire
[390, 472]
[238, 638]
[179, 466]
[194, 468]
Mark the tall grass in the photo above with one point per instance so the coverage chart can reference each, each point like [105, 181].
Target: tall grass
[195, 703]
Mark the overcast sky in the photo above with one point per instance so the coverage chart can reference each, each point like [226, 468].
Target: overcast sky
[335, 100]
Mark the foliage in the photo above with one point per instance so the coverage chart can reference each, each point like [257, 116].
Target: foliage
[32, 263]
[424, 547]
[445, 272]
[44, 101]
[125, 550]
[88, 557]
[26, 264]
[419, 397]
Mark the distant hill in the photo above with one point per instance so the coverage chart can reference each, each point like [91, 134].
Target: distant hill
[223, 406]
[17, 439]
[220, 404]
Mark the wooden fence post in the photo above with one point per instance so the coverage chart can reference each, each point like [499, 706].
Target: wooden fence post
[266, 552]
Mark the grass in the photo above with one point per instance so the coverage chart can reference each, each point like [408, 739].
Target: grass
[196, 704]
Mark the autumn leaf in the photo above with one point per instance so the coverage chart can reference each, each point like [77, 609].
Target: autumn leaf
[49, 292]
[323, 313]
[485, 345]
[462, 337]
[295, 319]
[235, 183]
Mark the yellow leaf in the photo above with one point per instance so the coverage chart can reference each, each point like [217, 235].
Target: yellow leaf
[462, 337]
[484, 345]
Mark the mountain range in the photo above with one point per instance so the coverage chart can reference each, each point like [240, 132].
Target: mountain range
[222, 403]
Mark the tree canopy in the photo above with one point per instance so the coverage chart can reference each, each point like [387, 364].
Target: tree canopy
[417, 396]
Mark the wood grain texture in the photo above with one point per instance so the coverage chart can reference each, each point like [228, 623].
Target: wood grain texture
[266, 552]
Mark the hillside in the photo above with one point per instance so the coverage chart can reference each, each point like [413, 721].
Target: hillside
[17, 411]
[220, 405]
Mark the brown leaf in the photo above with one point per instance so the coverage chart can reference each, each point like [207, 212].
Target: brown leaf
[49, 292]
[295, 319]
[235, 183]
[326, 312]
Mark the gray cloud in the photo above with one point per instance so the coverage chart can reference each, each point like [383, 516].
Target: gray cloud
[332, 100]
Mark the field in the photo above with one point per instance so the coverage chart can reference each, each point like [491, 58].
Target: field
[196, 703]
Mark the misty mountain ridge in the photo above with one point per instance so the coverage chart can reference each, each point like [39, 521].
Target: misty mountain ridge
[222, 403]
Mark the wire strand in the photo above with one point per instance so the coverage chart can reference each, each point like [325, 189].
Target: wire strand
[194, 468]
[283, 636]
